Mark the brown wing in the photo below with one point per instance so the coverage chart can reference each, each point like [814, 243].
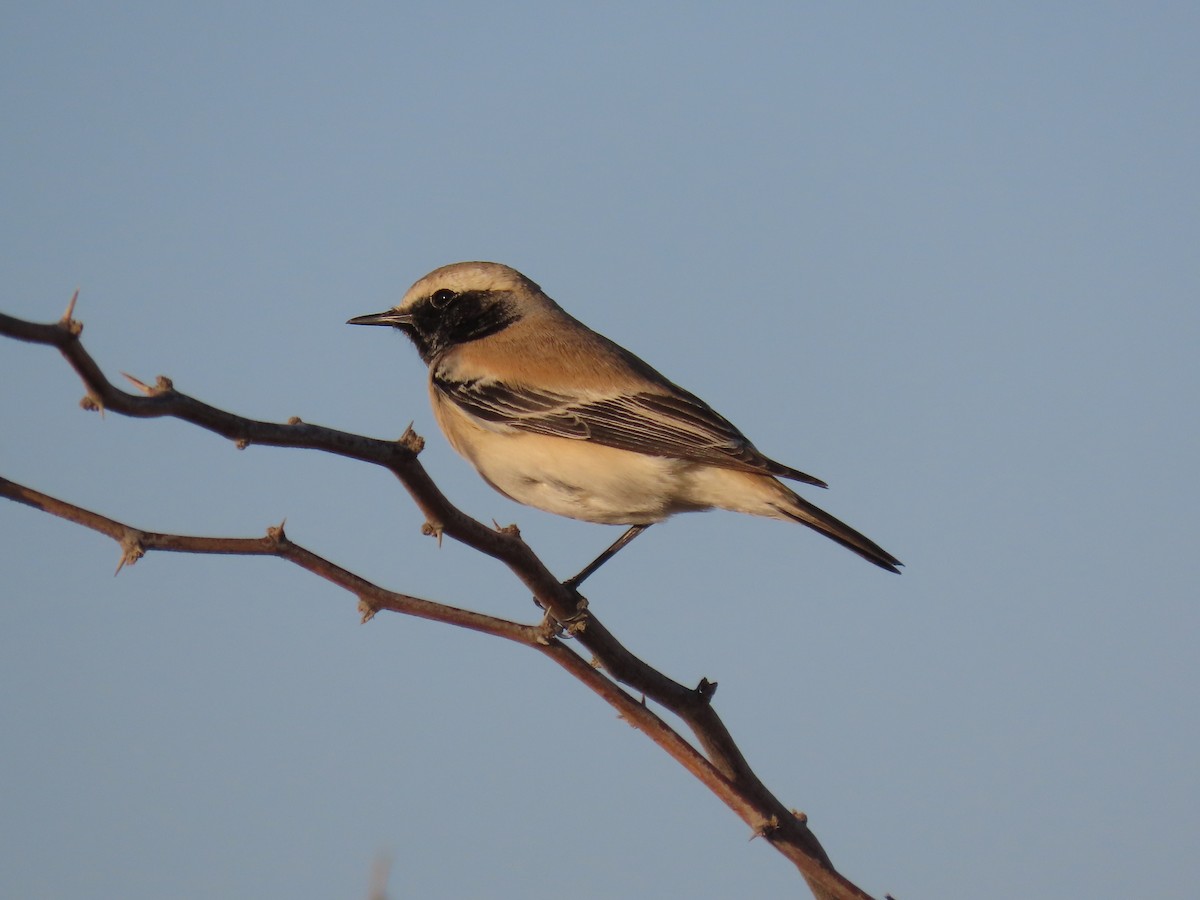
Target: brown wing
[677, 425]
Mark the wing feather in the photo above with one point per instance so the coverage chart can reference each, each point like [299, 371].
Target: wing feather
[678, 425]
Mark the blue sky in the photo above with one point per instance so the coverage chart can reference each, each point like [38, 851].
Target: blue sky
[943, 257]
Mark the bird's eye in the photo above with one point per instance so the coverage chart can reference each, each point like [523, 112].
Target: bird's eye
[441, 299]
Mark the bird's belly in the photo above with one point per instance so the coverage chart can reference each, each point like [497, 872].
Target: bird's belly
[578, 479]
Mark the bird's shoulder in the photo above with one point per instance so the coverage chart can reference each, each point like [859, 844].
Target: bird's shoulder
[555, 353]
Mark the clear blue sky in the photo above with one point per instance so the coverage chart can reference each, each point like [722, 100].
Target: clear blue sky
[943, 257]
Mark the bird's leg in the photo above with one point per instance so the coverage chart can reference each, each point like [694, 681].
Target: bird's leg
[577, 580]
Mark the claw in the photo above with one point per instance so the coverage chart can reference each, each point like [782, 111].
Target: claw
[577, 621]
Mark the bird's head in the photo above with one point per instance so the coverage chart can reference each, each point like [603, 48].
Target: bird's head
[459, 303]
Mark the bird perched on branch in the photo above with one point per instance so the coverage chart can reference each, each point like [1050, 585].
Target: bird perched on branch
[558, 417]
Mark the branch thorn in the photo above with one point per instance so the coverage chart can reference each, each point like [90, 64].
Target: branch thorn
[366, 610]
[92, 403]
[131, 552]
[433, 529]
[68, 321]
[139, 384]
[162, 385]
[410, 440]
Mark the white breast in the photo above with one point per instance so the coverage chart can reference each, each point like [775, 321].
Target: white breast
[580, 479]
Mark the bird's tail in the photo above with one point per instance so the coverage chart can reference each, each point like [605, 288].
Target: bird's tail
[798, 509]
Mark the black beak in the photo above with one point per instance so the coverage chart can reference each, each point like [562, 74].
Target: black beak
[391, 317]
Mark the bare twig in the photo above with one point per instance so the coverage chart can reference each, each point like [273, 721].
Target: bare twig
[722, 768]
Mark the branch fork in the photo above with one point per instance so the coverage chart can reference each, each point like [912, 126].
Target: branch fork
[716, 761]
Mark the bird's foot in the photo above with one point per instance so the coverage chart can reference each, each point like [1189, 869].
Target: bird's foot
[570, 625]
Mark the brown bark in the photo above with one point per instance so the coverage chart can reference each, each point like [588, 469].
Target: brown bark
[717, 762]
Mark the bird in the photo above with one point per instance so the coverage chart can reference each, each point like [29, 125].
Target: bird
[558, 417]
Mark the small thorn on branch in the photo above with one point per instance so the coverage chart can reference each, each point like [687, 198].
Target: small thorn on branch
[276, 533]
[131, 552]
[412, 441]
[705, 689]
[70, 312]
[366, 610]
[139, 384]
[432, 529]
[68, 320]
[511, 530]
[162, 385]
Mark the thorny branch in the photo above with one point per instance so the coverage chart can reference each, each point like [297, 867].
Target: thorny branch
[720, 766]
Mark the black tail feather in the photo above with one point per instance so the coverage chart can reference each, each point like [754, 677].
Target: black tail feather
[817, 519]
